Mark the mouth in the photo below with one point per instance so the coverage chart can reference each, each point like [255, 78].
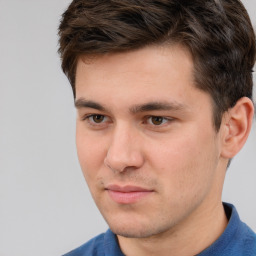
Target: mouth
[127, 194]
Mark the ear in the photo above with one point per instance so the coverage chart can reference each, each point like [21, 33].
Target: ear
[236, 126]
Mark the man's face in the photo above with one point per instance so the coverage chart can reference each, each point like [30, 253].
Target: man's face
[146, 141]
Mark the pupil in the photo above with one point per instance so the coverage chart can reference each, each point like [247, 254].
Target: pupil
[98, 118]
[157, 120]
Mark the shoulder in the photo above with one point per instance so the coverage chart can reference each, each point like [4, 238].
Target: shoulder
[237, 239]
[247, 240]
[94, 247]
[105, 244]
[244, 238]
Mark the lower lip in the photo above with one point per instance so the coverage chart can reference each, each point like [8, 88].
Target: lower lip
[128, 197]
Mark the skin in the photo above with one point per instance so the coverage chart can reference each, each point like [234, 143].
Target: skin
[142, 122]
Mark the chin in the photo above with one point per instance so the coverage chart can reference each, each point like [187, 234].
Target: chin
[132, 233]
[135, 230]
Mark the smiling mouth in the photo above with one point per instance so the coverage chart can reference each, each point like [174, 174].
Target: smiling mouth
[127, 194]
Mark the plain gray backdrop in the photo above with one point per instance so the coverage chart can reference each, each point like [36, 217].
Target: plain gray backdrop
[45, 206]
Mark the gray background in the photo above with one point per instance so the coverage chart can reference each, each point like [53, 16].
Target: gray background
[45, 206]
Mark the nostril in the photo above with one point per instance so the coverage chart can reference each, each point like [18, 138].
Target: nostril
[114, 165]
[123, 153]
[110, 167]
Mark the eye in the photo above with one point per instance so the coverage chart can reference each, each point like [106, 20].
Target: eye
[157, 120]
[97, 118]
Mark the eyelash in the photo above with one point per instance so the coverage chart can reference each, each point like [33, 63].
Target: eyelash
[164, 120]
[93, 123]
[87, 118]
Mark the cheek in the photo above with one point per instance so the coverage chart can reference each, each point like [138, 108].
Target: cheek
[171, 153]
[90, 153]
[185, 164]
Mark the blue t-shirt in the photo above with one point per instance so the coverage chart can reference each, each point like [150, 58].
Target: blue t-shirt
[237, 240]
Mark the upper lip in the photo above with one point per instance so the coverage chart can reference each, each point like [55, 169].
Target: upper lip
[127, 188]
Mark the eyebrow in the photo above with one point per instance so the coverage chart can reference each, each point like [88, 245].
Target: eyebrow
[154, 106]
[83, 103]
[149, 106]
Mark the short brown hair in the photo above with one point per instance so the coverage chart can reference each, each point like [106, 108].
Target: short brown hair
[218, 33]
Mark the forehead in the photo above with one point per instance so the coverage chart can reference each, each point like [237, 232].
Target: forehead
[155, 73]
[147, 58]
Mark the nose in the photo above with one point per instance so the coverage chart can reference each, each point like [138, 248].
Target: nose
[124, 151]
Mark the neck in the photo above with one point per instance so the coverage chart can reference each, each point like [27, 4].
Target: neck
[190, 237]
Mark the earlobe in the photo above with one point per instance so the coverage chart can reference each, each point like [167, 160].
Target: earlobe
[237, 124]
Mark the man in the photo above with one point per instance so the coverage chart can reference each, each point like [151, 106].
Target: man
[163, 94]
